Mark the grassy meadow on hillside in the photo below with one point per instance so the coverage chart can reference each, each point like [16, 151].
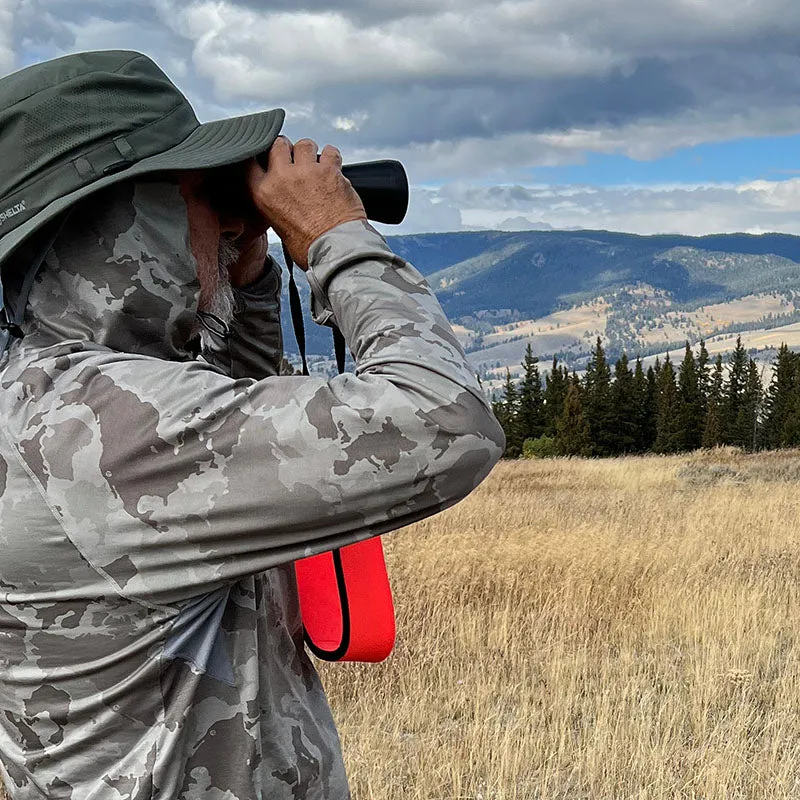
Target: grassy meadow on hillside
[592, 630]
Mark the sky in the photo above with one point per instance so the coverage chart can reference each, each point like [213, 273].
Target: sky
[648, 116]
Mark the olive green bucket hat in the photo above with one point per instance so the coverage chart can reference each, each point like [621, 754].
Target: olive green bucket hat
[75, 125]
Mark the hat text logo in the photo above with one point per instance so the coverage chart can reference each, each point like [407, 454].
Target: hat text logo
[11, 212]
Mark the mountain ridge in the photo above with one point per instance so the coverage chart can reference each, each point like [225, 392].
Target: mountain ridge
[627, 288]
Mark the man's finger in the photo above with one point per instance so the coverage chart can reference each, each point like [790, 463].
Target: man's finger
[280, 154]
[256, 178]
[331, 155]
[305, 150]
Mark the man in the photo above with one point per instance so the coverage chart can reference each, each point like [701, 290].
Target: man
[152, 501]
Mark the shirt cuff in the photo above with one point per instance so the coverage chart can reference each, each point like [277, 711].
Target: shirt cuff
[345, 245]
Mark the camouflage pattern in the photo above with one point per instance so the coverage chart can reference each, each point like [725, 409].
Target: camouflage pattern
[152, 501]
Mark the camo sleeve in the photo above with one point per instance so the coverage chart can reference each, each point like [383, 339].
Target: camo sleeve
[173, 479]
[253, 345]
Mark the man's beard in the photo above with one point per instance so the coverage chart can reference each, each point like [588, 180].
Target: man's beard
[223, 302]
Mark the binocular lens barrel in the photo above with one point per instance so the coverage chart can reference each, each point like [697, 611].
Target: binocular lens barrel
[382, 187]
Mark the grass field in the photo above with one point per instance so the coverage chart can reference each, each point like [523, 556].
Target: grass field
[591, 629]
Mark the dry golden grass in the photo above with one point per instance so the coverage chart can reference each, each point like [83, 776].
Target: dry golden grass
[591, 629]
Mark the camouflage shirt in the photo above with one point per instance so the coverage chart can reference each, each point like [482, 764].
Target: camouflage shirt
[152, 502]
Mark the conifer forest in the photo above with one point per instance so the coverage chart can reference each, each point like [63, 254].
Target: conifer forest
[623, 408]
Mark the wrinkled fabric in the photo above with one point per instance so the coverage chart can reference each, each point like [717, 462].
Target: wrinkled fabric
[152, 504]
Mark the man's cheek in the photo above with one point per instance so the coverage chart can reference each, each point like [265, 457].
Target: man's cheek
[203, 234]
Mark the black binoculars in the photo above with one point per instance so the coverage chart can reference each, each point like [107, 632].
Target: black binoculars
[381, 185]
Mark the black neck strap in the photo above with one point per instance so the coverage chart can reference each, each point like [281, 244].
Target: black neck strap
[339, 344]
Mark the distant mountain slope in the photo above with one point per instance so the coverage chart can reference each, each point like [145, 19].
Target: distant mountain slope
[504, 289]
[534, 272]
[431, 252]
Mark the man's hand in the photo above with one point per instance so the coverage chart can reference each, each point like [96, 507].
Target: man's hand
[302, 198]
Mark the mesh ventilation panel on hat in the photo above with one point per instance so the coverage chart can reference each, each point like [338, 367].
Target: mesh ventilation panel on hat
[62, 122]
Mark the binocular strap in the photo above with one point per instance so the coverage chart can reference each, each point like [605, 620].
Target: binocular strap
[345, 598]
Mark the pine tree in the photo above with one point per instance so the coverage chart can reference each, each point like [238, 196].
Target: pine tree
[598, 402]
[624, 408]
[651, 409]
[743, 429]
[779, 398]
[714, 429]
[642, 408]
[747, 433]
[531, 400]
[690, 413]
[790, 433]
[734, 396]
[572, 436]
[703, 377]
[668, 430]
[497, 409]
[554, 395]
[507, 413]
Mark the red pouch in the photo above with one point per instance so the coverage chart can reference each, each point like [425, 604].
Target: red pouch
[346, 603]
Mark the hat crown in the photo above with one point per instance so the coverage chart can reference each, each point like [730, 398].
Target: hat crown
[72, 126]
[73, 119]
[36, 78]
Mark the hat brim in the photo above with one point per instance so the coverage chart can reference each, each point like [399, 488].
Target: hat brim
[211, 145]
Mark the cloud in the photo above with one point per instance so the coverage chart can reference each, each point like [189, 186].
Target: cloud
[408, 73]
[7, 56]
[754, 207]
[442, 81]
[429, 211]
[471, 93]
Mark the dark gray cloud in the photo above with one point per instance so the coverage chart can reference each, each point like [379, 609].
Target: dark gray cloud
[405, 74]
[408, 72]
[480, 107]
[471, 89]
[364, 12]
[7, 13]
[40, 24]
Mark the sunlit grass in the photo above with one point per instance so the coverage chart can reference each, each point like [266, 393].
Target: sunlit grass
[591, 629]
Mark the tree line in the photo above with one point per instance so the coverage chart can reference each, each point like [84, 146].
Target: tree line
[666, 408]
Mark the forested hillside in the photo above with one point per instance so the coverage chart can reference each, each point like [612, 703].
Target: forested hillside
[558, 290]
[669, 407]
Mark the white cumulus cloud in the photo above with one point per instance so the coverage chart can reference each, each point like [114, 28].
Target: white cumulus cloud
[754, 207]
[8, 9]
[476, 95]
